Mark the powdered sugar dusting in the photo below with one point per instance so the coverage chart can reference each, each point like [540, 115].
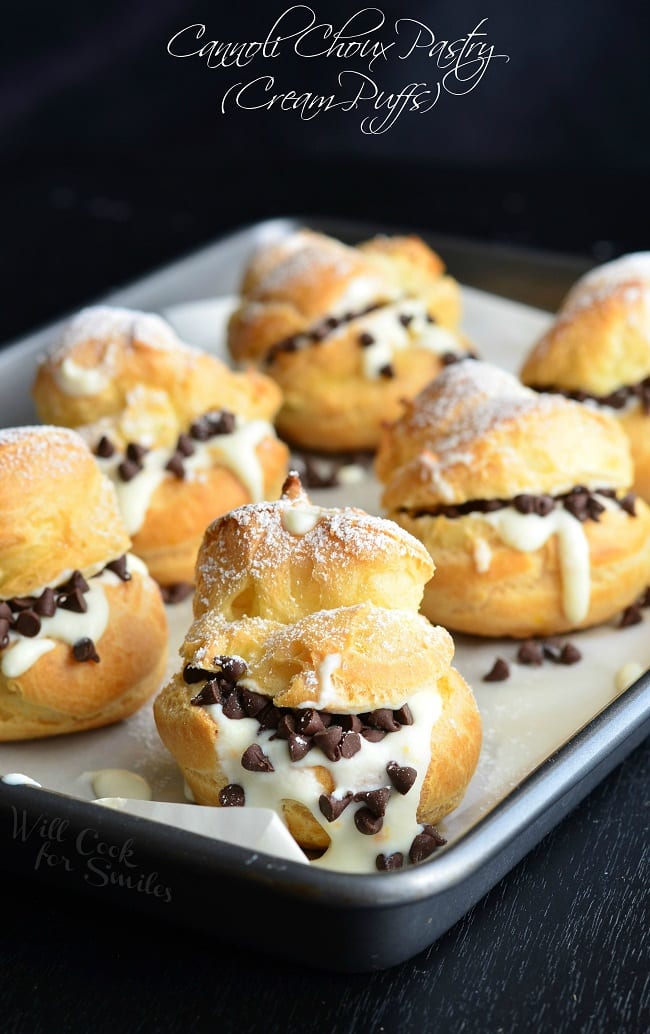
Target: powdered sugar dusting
[631, 272]
[112, 325]
[55, 449]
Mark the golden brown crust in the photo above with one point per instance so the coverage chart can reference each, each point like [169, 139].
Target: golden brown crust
[636, 424]
[58, 694]
[290, 287]
[520, 593]
[476, 433]
[57, 511]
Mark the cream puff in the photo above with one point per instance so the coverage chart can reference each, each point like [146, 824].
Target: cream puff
[598, 351]
[346, 332]
[181, 436]
[310, 684]
[523, 501]
[83, 633]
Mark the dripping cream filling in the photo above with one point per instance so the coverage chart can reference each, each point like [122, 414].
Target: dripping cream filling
[65, 626]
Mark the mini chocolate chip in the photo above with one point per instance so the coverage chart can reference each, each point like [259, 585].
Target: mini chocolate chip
[4, 633]
[76, 581]
[328, 741]
[430, 318]
[232, 668]
[331, 807]
[577, 505]
[524, 503]
[135, 452]
[499, 671]
[233, 707]
[318, 334]
[449, 358]
[199, 430]
[645, 599]
[326, 718]
[372, 735]
[367, 823]
[382, 718]
[422, 847]
[299, 745]
[570, 654]
[331, 322]
[18, 603]
[175, 466]
[350, 744]
[401, 776]
[104, 448]
[594, 508]
[255, 760]
[184, 445]
[176, 592]
[232, 796]
[543, 505]
[628, 503]
[268, 717]
[118, 567]
[375, 800]
[405, 318]
[5, 611]
[552, 649]
[253, 702]
[84, 650]
[631, 616]
[28, 623]
[389, 862]
[45, 605]
[431, 831]
[350, 722]
[403, 715]
[192, 674]
[531, 652]
[127, 470]
[209, 694]
[387, 371]
[366, 339]
[73, 601]
[286, 726]
[220, 422]
[309, 722]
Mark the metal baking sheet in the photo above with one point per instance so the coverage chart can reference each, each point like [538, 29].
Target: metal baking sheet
[550, 734]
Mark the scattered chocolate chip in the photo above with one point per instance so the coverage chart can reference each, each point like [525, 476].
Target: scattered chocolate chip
[628, 503]
[119, 568]
[286, 726]
[422, 847]
[268, 717]
[531, 652]
[104, 448]
[73, 601]
[255, 760]
[367, 823]
[382, 718]
[176, 592]
[175, 466]
[127, 470]
[594, 508]
[401, 776]
[28, 623]
[199, 430]
[208, 694]
[184, 445]
[349, 722]
[4, 633]
[75, 581]
[372, 735]
[18, 603]
[232, 668]
[403, 715]
[544, 504]
[389, 862]
[449, 358]
[366, 339]
[45, 605]
[84, 650]
[232, 796]
[524, 503]
[318, 334]
[135, 452]
[577, 503]
[192, 674]
[299, 745]
[253, 702]
[220, 422]
[387, 371]
[328, 741]
[350, 744]
[570, 654]
[5, 611]
[552, 649]
[331, 807]
[431, 831]
[499, 671]
[405, 318]
[631, 616]
[309, 722]
[233, 707]
[375, 800]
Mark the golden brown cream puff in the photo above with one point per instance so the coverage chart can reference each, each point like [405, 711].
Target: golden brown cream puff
[346, 332]
[523, 501]
[181, 436]
[598, 351]
[83, 633]
[310, 684]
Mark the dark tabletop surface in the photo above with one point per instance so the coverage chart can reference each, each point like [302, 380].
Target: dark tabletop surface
[114, 162]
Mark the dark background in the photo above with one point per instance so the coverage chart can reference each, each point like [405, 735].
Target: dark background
[115, 159]
[115, 156]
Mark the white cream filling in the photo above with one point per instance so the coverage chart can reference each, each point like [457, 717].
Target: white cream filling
[65, 626]
[628, 674]
[120, 782]
[529, 532]
[75, 380]
[299, 519]
[236, 451]
[349, 850]
[392, 336]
